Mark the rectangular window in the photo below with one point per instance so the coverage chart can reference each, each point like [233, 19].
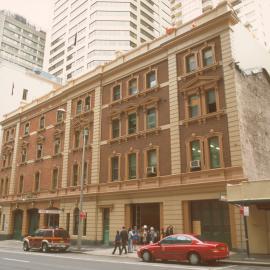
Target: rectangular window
[87, 103]
[60, 116]
[37, 182]
[42, 122]
[75, 174]
[116, 92]
[79, 107]
[4, 158]
[115, 128]
[3, 222]
[26, 129]
[2, 187]
[6, 187]
[20, 191]
[191, 64]
[54, 179]
[214, 152]
[193, 102]
[132, 87]
[67, 222]
[57, 146]
[39, 150]
[132, 123]
[85, 172]
[25, 93]
[152, 163]
[151, 118]
[77, 139]
[195, 149]
[151, 80]
[132, 166]
[115, 168]
[208, 57]
[211, 101]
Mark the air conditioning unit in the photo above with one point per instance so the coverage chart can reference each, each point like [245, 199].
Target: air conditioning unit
[151, 170]
[195, 164]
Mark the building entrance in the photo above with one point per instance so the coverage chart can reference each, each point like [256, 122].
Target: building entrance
[17, 229]
[210, 219]
[145, 214]
[33, 216]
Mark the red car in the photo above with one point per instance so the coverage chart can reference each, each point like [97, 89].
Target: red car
[184, 247]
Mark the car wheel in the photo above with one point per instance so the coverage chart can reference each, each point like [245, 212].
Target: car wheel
[146, 256]
[194, 258]
[25, 246]
[44, 247]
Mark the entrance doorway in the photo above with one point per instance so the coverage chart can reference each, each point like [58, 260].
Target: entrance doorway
[33, 216]
[211, 217]
[106, 226]
[145, 214]
[17, 228]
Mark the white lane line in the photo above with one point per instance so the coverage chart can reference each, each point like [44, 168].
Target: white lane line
[157, 265]
[15, 260]
[226, 267]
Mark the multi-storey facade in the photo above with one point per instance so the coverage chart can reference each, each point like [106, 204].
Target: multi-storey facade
[88, 33]
[20, 42]
[165, 137]
[253, 14]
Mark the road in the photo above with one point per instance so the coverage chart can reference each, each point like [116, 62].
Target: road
[19, 260]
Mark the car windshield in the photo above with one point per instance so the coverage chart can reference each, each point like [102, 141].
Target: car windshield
[61, 233]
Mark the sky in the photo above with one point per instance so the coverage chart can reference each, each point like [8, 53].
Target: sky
[38, 12]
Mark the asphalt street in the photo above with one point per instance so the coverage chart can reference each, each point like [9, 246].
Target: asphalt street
[19, 260]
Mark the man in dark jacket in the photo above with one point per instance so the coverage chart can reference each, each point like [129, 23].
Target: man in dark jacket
[124, 239]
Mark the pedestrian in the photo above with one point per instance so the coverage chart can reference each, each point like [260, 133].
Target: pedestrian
[144, 235]
[130, 240]
[152, 235]
[117, 242]
[162, 233]
[124, 239]
[136, 238]
[171, 230]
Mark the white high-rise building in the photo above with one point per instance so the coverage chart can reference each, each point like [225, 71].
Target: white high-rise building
[87, 33]
[21, 42]
[254, 14]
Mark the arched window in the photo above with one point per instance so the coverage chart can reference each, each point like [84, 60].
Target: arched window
[7, 136]
[76, 217]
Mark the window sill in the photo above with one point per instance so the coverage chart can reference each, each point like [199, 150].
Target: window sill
[83, 113]
[38, 159]
[41, 130]
[202, 118]
[135, 135]
[129, 97]
[200, 69]
[23, 163]
[57, 155]
[60, 123]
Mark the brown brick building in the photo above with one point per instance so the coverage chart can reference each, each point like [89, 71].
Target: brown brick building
[163, 143]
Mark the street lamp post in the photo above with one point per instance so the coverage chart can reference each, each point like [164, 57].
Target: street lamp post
[80, 228]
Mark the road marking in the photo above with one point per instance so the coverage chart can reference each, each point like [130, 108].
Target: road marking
[157, 265]
[15, 260]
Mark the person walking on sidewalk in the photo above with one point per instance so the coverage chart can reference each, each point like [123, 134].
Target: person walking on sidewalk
[136, 238]
[117, 243]
[124, 239]
[130, 240]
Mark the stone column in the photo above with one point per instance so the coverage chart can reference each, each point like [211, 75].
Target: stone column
[41, 220]
[14, 161]
[96, 138]
[25, 222]
[66, 145]
[174, 115]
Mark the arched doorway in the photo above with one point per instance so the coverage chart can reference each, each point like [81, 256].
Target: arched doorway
[33, 217]
[17, 227]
